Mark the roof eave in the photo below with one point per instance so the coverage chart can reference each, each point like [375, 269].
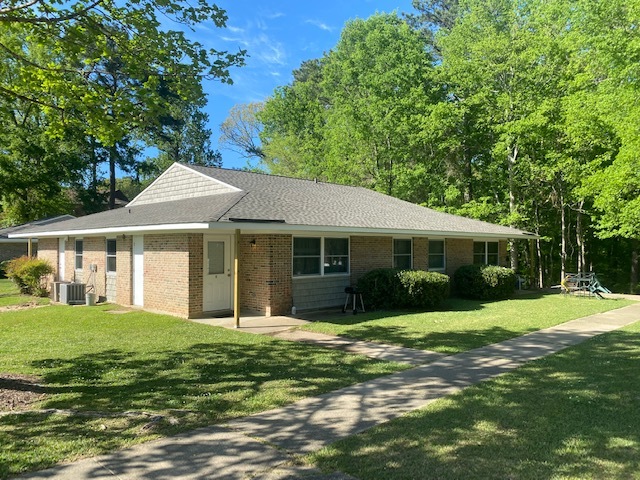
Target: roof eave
[262, 227]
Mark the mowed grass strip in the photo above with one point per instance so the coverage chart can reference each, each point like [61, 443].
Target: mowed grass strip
[92, 360]
[11, 296]
[574, 415]
[462, 325]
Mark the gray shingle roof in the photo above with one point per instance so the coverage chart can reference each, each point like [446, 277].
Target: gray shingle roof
[4, 232]
[295, 202]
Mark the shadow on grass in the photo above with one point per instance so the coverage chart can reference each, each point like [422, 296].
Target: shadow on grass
[572, 415]
[219, 379]
[452, 304]
[200, 385]
[452, 341]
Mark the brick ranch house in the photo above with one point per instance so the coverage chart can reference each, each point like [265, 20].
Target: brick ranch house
[202, 240]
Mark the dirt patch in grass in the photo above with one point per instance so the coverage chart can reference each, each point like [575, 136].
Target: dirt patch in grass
[21, 306]
[17, 392]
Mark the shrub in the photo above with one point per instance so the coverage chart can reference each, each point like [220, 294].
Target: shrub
[484, 282]
[29, 274]
[391, 288]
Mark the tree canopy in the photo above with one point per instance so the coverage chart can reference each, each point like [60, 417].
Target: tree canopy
[87, 83]
[517, 112]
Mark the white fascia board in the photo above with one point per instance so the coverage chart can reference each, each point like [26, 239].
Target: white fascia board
[168, 228]
[261, 228]
[266, 228]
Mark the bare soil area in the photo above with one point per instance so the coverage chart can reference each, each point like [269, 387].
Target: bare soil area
[18, 392]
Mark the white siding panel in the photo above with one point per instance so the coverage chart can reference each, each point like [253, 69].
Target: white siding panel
[319, 292]
[179, 183]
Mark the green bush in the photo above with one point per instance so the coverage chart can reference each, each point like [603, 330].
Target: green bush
[29, 274]
[484, 282]
[391, 288]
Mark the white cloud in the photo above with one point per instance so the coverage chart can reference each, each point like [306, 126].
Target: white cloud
[320, 25]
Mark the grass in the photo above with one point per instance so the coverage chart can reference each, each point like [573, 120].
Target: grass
[92, 360]
[573, 415]
[462, 325]
[11, 296]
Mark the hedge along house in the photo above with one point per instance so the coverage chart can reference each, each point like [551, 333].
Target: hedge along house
[202, 240]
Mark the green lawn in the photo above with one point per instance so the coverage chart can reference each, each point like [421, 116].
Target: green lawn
[574, 415]
[93, 360]
[10, 295]
[462, 325]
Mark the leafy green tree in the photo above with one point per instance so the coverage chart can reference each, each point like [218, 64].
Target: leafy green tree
[99, 68]
[293, 123]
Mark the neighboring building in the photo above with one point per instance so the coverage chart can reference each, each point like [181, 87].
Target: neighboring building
[16, 247]
[296, 242]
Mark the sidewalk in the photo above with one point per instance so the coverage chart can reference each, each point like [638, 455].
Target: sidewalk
[259, 446]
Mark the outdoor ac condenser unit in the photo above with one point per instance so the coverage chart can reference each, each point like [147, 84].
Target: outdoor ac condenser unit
[72, 293]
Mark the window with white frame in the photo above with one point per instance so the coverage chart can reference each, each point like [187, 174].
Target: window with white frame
[79, 253]
[111, 255]
[320, 256]
[402, 253]
[485, 253]
[436, 255]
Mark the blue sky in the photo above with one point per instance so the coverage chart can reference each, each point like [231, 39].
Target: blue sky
[278, 35]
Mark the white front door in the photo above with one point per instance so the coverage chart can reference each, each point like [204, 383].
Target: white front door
[138, 270]
[61, 245]
[218, 278]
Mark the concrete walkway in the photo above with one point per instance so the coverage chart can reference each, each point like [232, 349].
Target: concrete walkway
[259, 446]
[285, 328]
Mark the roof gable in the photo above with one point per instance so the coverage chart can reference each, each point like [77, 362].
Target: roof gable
[180, 182]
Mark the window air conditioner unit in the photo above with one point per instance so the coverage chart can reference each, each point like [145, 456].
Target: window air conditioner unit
[72, 293]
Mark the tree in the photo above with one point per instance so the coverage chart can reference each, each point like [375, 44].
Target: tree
[354, 115]
[100, 68]
[240, 132]
[293, 121]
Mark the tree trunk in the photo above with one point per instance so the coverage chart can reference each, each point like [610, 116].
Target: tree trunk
[563, 241]
[512, 156]
[540, 267]
[582, 263]
[113, 155]
[635, 246]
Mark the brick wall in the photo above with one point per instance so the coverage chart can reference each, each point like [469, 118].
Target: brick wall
[368, 253]
[420, 253]
[265, 274]
[459, 251]
[94, 252]
[166, 273]
[124, 267]
[196, 273]
[48, 250]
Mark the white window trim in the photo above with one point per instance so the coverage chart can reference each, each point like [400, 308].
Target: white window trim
[486, 251]
[115, 255]
[75, 254]
[444, 255]
[322, 274]
[393, 251]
